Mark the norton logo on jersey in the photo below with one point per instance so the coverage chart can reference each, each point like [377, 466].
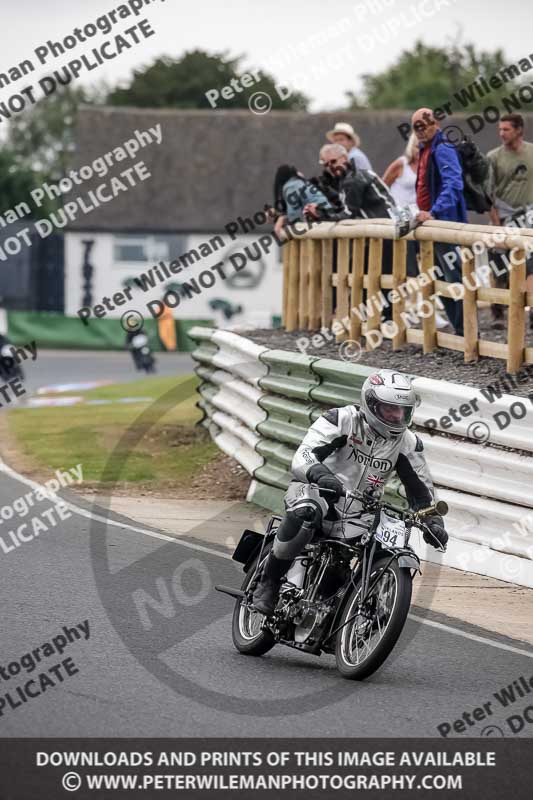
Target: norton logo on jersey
[382, 464]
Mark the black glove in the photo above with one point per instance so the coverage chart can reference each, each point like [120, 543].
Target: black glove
[436, 526]
[325, 480]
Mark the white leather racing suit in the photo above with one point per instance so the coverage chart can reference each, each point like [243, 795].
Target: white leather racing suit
[360, 458]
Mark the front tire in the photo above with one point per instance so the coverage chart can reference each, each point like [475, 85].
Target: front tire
[362, 645]
[246, 631]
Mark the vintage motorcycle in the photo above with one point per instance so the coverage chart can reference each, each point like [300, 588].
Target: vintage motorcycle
[348, 595]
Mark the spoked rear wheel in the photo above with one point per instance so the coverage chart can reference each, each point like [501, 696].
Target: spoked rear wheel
[371, 631]
[247, 633]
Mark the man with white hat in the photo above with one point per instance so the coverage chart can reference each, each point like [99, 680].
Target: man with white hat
[344, 134]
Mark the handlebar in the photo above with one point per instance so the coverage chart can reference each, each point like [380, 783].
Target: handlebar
[355, 495]
[412, 518]
[440, 507]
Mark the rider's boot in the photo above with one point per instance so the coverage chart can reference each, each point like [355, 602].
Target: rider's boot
[267, 591]
[291, 537]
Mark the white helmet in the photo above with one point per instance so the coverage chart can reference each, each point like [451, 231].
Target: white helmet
[388, 402]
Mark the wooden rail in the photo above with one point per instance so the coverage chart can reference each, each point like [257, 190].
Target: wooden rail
[325, 276]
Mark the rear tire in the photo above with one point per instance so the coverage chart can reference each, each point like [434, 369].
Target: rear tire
[396, 587]
[246, 631]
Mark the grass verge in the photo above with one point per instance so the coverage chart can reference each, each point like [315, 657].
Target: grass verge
[170, 450]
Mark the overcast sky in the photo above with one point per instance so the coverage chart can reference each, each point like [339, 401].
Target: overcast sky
[363, 36]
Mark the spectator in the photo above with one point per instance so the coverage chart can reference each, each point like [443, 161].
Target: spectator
[357, 193]
[439, 195]
[512, 181]
[344, 134]
[400, 177]
[292, 193]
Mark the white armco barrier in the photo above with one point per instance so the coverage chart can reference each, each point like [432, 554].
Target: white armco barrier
[238, 398]
[487, 537]
[239, 356]
[480, 470]
[506, 420]
[488, 488]
[235, 440]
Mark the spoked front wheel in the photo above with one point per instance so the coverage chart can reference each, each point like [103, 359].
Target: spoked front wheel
[248, 636]
[370, 631]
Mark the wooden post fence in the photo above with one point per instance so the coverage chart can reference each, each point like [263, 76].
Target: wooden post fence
[330, 258]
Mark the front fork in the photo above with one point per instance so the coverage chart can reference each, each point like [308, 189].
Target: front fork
[407, 559]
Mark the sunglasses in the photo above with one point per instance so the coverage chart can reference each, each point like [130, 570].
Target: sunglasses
[331, 163]
[421, 126]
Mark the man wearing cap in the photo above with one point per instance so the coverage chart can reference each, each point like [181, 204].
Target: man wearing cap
[344, 134]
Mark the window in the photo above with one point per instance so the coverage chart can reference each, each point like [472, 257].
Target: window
[133, 249]
[129, 248]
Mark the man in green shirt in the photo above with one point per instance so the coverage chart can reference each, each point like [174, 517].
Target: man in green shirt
[512, 182]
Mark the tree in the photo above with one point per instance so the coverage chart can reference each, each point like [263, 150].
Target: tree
[16, 183]
[183, 83]
[430, 76]
[42, 139]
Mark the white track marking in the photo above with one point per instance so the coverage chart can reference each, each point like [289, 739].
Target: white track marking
[89, 515]
[82, 512]
[465, 635]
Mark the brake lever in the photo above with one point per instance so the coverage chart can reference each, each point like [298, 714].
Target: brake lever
[439, 547]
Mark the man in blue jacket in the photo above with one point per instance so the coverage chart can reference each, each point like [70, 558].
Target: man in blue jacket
[440, 195]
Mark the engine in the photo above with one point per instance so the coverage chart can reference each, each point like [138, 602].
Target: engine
[307, 616]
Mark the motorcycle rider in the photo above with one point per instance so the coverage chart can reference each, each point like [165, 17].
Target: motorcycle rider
[9, 365]
[350, 448]
[135, 352]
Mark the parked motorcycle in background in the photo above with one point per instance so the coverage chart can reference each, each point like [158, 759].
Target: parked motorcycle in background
[10, 368]
[139, 345]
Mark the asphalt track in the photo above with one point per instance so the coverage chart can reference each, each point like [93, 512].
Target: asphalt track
[159, 660]
[66, 366]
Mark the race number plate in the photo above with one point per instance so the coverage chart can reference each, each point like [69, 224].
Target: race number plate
[390, 531]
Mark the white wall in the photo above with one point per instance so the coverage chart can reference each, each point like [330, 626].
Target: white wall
[259, 303]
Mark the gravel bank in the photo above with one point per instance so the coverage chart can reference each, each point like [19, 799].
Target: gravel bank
[442, 364]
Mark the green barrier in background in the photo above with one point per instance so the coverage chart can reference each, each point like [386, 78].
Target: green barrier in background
[183, 326]
[58, 332]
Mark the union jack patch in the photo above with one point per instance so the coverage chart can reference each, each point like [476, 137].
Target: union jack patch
[375, 480]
